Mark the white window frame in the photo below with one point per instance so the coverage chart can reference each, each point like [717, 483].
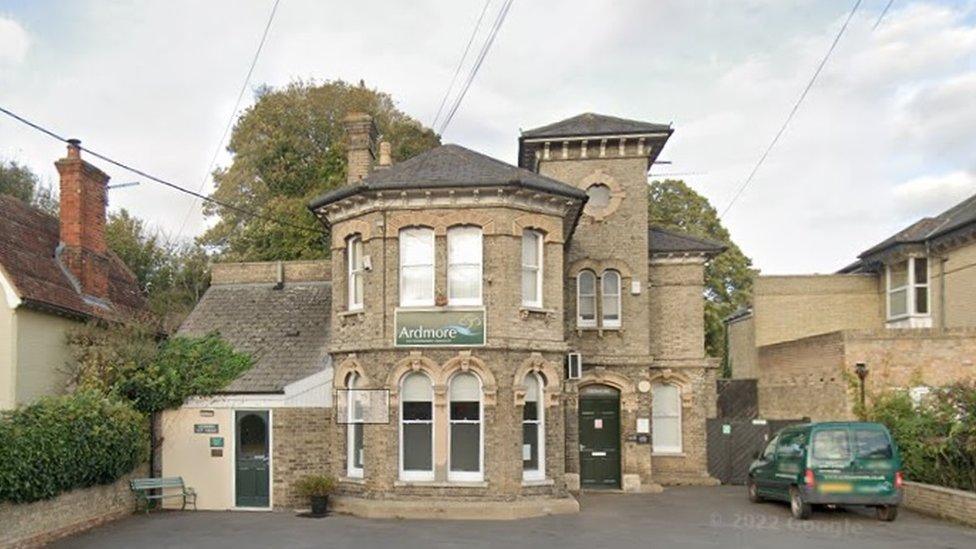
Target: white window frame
[580, 321]
[655, 449]
[467, 476]
[351, 424]
[418, 475]
[354, 272]
[540, 472]
[604, 322]
[451, 264]
[540, 243]
[909, 289]
[404, 302]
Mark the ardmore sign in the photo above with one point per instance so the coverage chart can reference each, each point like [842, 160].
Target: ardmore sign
[440, 327]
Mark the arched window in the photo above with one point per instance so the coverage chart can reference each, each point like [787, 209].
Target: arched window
[464, 251]
[465, 432]
[354, 427]
[586, 299]
[666, 412]
[416, 428]
[355, 270]
[416, 267]
[610, 313]
[533, 430]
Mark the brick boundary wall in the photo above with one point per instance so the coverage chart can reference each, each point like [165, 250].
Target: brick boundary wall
[41, 522]
[941, 502]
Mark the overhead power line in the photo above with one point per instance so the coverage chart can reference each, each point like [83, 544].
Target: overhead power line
[457, 70]
[882, 16]
[485, 48]
[230, 121]
[243, 211]
[796, 107]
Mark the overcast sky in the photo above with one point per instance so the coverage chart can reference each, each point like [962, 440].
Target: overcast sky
[887, 135]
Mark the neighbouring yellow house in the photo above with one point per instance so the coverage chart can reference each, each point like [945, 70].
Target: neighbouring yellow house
[56, 273]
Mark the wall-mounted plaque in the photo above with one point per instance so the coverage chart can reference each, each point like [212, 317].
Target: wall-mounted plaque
[440, 327]
[206, 428]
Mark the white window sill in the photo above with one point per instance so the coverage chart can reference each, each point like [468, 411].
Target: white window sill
[538, 482]
[669, 454]
[439, 484]
[910, 321]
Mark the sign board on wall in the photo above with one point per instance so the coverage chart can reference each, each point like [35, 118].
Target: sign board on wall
[439, 327]
[206, 428]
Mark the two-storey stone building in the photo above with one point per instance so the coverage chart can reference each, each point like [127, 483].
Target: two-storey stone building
[463, 289]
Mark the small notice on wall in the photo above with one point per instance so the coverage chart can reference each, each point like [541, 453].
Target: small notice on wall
[216, 442]
[206, 428]
[598, 424]
[217, 452]
[643, 425]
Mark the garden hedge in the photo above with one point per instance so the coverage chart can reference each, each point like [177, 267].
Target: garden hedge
[68, 442]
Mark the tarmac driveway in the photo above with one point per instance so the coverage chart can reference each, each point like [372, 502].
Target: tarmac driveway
[680, 517]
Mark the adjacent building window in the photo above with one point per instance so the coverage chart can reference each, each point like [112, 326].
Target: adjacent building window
[586, 299]
[354, 262]
[532, 268]
[354, 428]
[610, 315]
[908, 288]
[416, 267]
[416, 428]
[464, 270]
[533, 430]
[666, 420]
[465, 429]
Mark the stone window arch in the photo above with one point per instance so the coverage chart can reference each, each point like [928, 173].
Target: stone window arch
[549, 373]
[464, 362]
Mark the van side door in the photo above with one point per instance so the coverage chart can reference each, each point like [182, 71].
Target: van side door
[790, 460]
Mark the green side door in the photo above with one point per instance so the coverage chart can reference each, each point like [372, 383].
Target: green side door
[764, 467]
[251, 457]
[599, 436]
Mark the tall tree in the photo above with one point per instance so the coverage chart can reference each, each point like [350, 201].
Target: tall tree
[728, 278]
[20, 181]
[287, 149]
[172, 275]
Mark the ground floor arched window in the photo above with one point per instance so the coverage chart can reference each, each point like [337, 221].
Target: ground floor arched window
[354, 428]
[533, 430]
[416, 428]
[465, 431]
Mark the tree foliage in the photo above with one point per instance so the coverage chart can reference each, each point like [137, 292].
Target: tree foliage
[67, 442]
[172, 275]
[20, 181]
[936, 436]
[728, 279]
[125, 360]
[287, 149]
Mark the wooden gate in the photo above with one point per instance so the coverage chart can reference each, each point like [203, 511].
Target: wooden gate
[733, 443]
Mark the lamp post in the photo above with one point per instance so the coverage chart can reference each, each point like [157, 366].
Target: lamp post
[861, 369]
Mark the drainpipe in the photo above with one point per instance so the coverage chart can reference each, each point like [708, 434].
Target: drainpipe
[942, 291]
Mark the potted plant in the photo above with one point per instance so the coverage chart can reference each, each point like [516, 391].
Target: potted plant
[317, 488]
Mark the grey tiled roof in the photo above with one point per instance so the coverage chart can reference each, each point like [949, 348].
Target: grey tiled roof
[594, 124]
[450, 166]
[667, 241]
[286, 331]
[929, 228]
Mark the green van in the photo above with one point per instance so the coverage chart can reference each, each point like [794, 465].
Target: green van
[836, 463]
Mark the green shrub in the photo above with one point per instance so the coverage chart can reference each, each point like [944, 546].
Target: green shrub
[937, 437]
[68, 442]
[315, 485]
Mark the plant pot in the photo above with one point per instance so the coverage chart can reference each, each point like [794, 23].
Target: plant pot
[319, 505]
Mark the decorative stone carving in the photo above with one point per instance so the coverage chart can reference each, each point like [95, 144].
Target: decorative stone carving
[671, 377]
[550, 374]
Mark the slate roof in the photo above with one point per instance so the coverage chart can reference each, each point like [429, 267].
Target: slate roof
[450, 166]
[28, 240]
[285, 331]
[595, 124]
[928, 228]
[667, 241]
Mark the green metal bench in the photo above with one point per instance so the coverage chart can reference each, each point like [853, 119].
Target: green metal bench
[144, 486]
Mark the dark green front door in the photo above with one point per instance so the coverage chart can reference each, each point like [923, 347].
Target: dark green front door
[599, 436]
[252, 458]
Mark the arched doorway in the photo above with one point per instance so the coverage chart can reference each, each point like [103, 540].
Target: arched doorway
[252, 474]
[599, 437]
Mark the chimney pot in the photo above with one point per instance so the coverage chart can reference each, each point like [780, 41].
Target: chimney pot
[386, 158]
[74, 148]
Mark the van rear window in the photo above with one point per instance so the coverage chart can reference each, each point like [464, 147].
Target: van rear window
[831, 445]
[872, 444]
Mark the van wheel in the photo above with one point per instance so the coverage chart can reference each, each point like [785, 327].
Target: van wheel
[798, 508]
[887, 513]
[754, 492]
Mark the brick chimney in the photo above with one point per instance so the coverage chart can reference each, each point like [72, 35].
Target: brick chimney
[360, 146]
[386, 156]
[83, 249]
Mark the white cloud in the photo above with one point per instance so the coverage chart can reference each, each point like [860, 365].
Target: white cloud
[14, 42]
[931, 194]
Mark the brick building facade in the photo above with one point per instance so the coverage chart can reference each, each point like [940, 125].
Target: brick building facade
[460, 285]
